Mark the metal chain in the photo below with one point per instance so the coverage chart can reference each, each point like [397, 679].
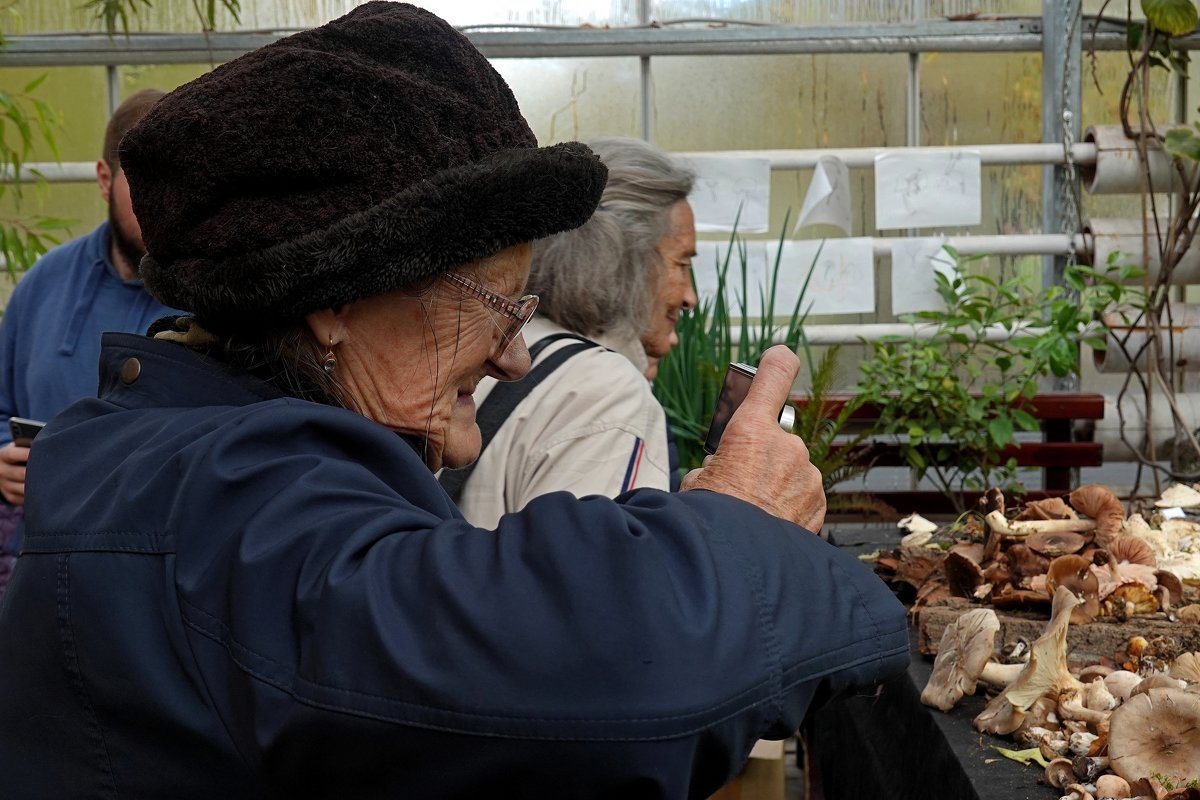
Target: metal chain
[1069, 200]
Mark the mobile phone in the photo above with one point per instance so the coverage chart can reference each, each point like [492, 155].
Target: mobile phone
[738, 377]
[23, 430]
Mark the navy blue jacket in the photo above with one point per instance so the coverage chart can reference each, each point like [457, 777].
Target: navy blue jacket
[229, 593]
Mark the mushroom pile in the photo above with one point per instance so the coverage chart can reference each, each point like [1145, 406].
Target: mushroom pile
[1101, 732]
[1085, 544]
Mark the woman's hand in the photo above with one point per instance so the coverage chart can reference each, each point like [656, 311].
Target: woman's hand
[757, 460]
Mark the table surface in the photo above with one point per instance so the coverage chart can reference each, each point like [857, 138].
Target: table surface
[886, 744]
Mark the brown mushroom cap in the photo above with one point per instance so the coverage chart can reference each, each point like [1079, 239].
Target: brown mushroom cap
[1025, 562]
[1049, 508]
[1060, 773]
[1112, 786]
[1170, 581]
[966, 645]
[1099, 503]
[1156, 732]
[1147, 787]
[1092, 671]
[1183, 793]
[963, 574]
[1075, 573]
[1053, 545]
[1186, 667]
[1132, 550]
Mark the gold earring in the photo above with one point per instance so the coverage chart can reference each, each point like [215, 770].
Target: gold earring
[330, 363]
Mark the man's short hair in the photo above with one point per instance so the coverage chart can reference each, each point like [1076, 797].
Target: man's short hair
[128, 114]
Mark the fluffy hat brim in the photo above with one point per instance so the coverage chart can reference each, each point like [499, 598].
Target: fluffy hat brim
[457, 217]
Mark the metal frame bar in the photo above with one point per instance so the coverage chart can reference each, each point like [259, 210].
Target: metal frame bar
[853, 157]
[1016, 34]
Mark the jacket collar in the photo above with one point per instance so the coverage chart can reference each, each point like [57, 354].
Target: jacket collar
[140, 372]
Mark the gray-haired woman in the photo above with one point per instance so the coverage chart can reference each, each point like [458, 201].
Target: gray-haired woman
[585, 421]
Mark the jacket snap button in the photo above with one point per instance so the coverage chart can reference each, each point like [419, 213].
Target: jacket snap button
[130, 370]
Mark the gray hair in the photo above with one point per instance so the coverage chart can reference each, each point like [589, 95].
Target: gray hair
[601, 278]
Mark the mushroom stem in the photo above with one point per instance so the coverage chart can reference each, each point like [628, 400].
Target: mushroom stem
[1000, 675]
[1070, 707]
[999, 524]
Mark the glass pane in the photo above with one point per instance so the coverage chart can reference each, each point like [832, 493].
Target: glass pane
[849, 11]
[980, 98]
[157, 76]
[78, 95]
[768, 102]
[535, 12]
[576, 98]
[171, 15]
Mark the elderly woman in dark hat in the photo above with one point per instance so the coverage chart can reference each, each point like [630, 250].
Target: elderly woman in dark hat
[240, 577]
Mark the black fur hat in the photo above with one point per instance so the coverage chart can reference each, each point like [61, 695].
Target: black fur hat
[346, 161]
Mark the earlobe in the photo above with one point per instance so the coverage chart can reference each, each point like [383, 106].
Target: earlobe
[327, 325]
[104, 179]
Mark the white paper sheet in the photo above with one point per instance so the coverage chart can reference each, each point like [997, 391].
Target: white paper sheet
[723, 185]
[828, 198]
[923, 189]
[914, 262]
[709, 257]
[843, 278]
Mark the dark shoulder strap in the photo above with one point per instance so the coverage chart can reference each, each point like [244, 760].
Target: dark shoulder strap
[505, 397]
[546, 341]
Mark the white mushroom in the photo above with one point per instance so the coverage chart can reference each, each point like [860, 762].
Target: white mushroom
[1081, 743]
[1097, 697]
[1018, 530]
[1178, 496]
[915, 523]
[1122, 683]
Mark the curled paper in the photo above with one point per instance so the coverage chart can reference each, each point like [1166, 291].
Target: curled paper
[828, 198]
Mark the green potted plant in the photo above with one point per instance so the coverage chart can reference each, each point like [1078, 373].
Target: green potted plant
[954, 396]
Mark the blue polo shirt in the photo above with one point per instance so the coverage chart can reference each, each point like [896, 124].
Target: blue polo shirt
[50, 331]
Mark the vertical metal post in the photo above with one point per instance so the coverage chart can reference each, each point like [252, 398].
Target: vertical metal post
[912, 109]
[1060, 92]
[114, 88]
[912, 128]
[647, 85]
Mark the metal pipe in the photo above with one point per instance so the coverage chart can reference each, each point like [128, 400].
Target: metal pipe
[864, 157]
[1011, 35]
[873, 332]
[1121, 240]
[1016, 244]
[1162, 429]
[1128, 344]
[856, 157]
[1117, 167]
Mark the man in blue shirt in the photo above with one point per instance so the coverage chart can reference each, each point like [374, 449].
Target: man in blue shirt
[50, 331]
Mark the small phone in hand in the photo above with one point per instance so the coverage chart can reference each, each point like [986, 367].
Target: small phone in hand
[23, 430]
[733, 391]
[738, 378]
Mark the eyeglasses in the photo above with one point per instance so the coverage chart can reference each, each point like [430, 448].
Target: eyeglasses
[519, 311]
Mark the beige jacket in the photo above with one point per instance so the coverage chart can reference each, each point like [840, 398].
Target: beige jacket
[591, 427]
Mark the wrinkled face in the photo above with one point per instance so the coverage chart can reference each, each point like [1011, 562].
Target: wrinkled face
[675, 293]
[412, 362]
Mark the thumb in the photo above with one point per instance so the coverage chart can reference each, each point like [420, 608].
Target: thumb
[777, 371]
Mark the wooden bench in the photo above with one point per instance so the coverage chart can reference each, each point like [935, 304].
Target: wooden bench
[1057, 454]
